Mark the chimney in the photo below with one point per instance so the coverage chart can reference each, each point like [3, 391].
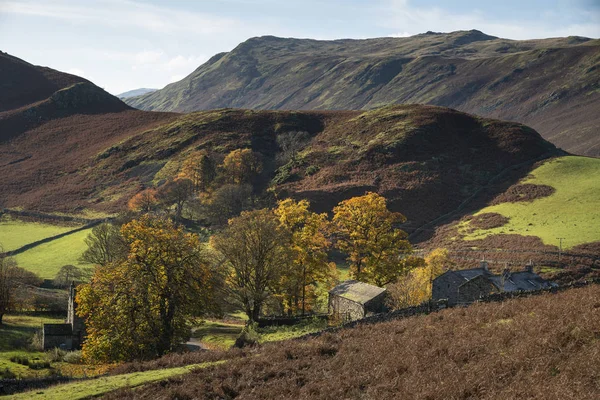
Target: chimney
[484, 265]
[529, 266]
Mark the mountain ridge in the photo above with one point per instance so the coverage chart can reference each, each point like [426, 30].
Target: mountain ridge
[549, 84]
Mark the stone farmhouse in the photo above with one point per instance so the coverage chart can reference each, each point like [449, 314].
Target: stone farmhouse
[468, 285]
[352, 300]
[67, 336]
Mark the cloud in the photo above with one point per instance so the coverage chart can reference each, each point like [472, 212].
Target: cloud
[403, 16]
[130, 14]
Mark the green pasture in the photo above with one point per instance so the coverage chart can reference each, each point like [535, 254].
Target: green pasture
[15, 233]
[98, 386]
[46, 259]
[571, 212]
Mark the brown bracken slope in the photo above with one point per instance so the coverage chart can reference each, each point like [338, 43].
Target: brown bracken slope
[552, 85]
[542, 347]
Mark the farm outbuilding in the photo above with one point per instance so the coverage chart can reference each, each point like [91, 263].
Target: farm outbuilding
[351, 300]
[69, 335]
[468, 285]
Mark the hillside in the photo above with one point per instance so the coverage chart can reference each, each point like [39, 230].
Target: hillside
[551, 85]
[135, 92]
[557, 199]
[426, 160]
[535, 348]
[22, 83]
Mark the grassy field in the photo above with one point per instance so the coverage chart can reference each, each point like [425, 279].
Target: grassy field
[46, 259]
[16, 334]
[571, 212]
[99, 386]
[217, 335]
[15, 233]
[278, 333]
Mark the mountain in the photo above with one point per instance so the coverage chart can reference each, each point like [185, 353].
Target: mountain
[552, 85]
[135, 92]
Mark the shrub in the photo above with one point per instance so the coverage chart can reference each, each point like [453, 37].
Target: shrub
[311, 170]
[73, 357]
[37, 341]
[248, 337]
[56, 354]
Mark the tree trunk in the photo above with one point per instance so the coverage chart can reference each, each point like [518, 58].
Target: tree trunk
[1, 315]
[303, 291]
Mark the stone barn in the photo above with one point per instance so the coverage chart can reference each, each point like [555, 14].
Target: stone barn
[351, 300]
[70, 335]
[468, 285]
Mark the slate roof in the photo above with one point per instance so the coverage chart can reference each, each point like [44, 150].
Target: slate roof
[359, 292]
[469, 274]
[58, 329]
[522, 280]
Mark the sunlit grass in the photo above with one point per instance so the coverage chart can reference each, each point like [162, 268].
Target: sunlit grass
[571, 212]
[15, 233]
[46, 259]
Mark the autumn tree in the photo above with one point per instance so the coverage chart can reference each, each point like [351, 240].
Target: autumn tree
[308, 244]
[104, 245]
[254, 249]
[141, 307]
[200, 169]
[241, 166]
[145, 201]
[415, 287]
[228, 201]
[365, 231]
[176, 193]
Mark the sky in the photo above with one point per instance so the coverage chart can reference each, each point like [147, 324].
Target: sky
[125, 44]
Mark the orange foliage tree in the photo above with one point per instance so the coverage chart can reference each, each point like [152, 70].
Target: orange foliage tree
[145, 201]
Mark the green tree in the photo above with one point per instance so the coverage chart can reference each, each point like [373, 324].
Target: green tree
[365, 231]
[70, 273]
[254, 248]
[141, 307]
[104, 245]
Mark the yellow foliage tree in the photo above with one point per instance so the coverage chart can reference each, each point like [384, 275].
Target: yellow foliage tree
[415, 287]
[365, 230]
[141, 307]
[241, 166]
[309, 267]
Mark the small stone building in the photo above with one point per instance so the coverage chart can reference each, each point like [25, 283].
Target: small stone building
[468, 285]
[67, 336]
[351, 300]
